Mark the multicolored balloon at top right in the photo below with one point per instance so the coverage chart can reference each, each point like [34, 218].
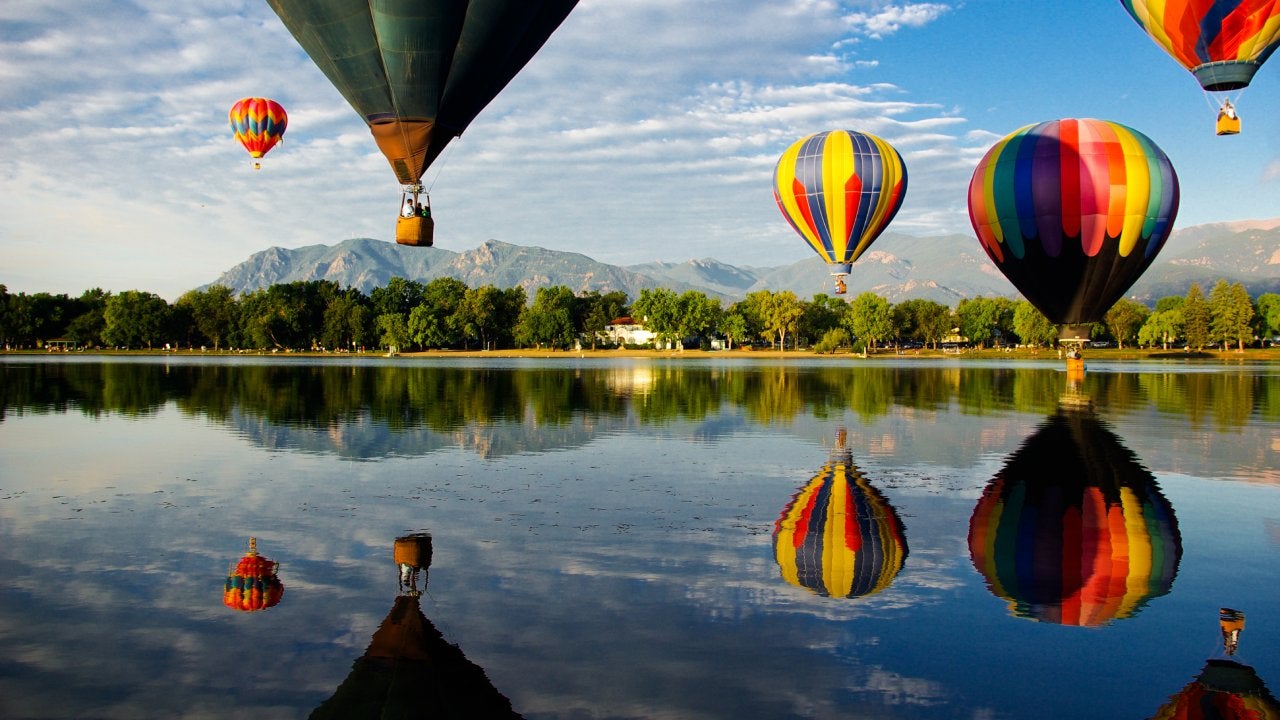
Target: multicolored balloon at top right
[1222, 42]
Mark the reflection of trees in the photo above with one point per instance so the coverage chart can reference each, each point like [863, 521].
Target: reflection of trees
[444, 398]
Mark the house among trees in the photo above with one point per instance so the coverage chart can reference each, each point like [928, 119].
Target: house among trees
[626, 331]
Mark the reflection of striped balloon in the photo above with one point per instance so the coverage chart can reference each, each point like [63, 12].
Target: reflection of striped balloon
[253, 584]
[839, 536]
[258, 124]
[1224, 690]
[1073, 530]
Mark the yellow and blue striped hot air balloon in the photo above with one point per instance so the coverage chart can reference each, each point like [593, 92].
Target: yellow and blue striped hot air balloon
[258, 124]
[840, 189]
[839, 537]
[1073, 530]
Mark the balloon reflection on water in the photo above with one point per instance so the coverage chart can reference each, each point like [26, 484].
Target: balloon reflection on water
[839, 536]
[409, 669]
[253, 584]
[1073, 529]
[1225, 689]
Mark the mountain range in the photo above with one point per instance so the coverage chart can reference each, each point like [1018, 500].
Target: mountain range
[945, 269]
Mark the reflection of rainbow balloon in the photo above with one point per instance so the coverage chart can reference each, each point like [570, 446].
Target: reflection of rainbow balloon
[1073, 212]
[1224, 690]
[839, 536]
[253, 585]
[1073, 530]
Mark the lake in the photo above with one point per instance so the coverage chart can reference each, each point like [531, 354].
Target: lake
[635, 538]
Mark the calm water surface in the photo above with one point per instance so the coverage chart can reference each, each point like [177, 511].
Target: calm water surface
[634, 538]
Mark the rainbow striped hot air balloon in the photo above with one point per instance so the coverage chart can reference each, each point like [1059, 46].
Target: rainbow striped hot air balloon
[838, 536]
[258, 124]
[839, 190]
[1222, 42]
[1073, 212]
[1073, 530]
[253, 584]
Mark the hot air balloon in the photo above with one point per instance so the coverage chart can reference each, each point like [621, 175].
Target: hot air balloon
[1073, 212]
[419, 71]
[409, 669]
[1073, 530]
[839, 190]
[1222, 42]
[258, 124]
[1225, 689]
[839, 537]
[253, 584]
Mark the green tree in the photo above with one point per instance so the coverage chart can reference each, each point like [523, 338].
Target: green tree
[777, 312]
[870, 319]
[1032, 326]
[134, 318]
[1231, 314]
[733, 326]
[549, 320]
[926, 321]
[822, 314]
[397, 296]
[485, 312]
[435, 321]
[347, 320]
[1195, 318]
[87, 325]
[697, 314]
[213, 311]
[393, 331]
[1124, 319]
[1268, 311]
[1162, 327]
[979, 319]
[659, 310]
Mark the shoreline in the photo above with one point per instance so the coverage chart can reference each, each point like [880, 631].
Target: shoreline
[1251, 354]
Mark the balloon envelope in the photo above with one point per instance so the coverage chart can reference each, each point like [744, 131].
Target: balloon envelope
[1222, 42]
[1073, 212]
[839, 536]
[839, 190]
[1073, 530]
[419, 71]
[258, 124]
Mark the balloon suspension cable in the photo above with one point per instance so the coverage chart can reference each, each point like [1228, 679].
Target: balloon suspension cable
[439, 163]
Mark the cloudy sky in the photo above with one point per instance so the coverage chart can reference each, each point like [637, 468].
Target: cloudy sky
[645, 130]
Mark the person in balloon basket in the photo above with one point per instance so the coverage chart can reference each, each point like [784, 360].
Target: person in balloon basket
[408, 209]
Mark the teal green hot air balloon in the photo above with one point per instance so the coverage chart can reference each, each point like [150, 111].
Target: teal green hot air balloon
[419, 71]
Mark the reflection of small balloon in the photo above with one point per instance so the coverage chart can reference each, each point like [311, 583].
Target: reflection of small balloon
[1073, 212]
[839, 190]
[1073, 530]
[258, 124]
[839, 536]
[253, 585]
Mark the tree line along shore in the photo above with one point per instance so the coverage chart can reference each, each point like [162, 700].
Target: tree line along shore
[446, 316]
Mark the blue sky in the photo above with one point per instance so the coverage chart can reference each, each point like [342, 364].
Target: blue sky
[645, 130]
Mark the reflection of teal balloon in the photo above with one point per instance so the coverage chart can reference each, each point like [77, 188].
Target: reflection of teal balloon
[1073, 530]
[419, 71]
[839, 536]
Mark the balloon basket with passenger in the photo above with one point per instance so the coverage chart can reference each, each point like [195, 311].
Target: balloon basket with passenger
[415, 225]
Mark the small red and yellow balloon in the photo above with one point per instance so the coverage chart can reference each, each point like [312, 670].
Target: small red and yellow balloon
[252, 584]
[258, 124]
